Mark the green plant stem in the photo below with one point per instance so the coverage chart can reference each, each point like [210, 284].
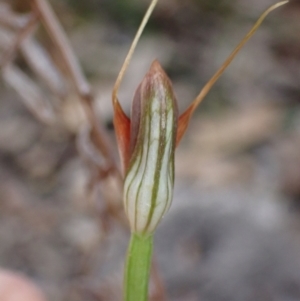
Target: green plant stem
[137, 269]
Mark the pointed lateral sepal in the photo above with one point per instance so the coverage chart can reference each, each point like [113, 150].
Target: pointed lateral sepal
[149, 181]
[184, 119]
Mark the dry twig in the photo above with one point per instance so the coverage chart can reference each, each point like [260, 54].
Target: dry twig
[82, 86]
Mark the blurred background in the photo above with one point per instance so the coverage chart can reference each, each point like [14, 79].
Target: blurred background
[233, 232]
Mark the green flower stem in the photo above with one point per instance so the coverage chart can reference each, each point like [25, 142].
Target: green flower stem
[137, 269]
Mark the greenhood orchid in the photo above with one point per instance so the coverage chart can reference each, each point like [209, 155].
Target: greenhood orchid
[147, 142]
[147, 145]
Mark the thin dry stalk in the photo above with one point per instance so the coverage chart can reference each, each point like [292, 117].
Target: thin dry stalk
[98, 133]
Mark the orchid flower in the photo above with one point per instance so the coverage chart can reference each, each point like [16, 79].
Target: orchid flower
[148, 140]
[146, 144]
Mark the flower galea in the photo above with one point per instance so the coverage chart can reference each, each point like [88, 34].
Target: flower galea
[149, 179]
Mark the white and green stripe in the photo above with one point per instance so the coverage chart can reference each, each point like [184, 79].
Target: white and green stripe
[149, 181]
